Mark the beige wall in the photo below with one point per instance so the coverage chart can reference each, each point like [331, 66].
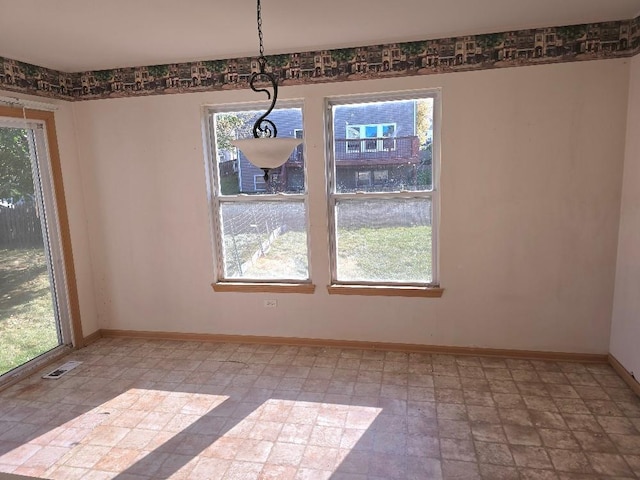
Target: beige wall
[72, 178]
[625, 329]
[531, 179]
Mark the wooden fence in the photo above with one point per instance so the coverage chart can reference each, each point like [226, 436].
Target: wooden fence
[20, 227]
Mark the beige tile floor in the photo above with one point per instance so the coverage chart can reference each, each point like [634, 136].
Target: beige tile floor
[139, 409]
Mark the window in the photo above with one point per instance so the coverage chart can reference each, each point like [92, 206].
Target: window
[44, 314]
[386, 235]
[381, 176]
[259, 185]
[260, 227]
[363, 179]
[374, 137]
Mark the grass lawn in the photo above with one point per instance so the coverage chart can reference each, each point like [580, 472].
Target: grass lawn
[394, 254]
[27, 321]
[287, 258]
[390, 254]
[229, 185]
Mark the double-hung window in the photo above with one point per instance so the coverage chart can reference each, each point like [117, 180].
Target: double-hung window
[383, 201]
[260, 227]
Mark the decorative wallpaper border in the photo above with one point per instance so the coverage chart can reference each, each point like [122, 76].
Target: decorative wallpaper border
[466, 53]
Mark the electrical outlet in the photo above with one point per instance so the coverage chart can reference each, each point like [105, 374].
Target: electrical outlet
[270, 303]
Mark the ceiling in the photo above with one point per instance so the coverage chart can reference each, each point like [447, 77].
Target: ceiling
[79, 35]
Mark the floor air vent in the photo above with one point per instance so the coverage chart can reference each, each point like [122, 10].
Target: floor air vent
[62, 369]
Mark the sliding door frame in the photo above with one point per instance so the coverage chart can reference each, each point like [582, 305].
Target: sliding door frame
[55, 167]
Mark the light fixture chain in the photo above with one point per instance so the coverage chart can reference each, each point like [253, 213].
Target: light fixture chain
[260, 30]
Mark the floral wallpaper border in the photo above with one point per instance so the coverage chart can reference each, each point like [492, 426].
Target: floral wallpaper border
[466, 53]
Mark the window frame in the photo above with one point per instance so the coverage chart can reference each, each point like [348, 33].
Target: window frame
[216, 199]
[361, 287]
[59, 217]
[257, 181]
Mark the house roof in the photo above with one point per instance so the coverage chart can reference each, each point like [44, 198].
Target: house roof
[80, 35]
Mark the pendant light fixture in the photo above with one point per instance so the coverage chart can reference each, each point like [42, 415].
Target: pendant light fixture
[264, 150]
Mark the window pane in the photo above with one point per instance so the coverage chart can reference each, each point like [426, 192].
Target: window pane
[384, 240]
[29, 323]
[264, 240]
[353, 132]
[388, 130]
[371, 131]
[395, 135]
[237, 174]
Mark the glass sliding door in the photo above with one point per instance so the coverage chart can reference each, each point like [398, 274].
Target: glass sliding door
[32, 293]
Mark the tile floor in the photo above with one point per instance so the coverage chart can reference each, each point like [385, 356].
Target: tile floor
[139, 409]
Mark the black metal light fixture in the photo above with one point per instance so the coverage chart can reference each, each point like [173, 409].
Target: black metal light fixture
[264, 150]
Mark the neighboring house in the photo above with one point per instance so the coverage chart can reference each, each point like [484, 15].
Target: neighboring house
[376, 146]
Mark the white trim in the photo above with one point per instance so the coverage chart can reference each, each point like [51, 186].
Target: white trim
[51, 232]
[436, 142]
[333, 196]
[208, 140]
[216, 199]
[22, 103]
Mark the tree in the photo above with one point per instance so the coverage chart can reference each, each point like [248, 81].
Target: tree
[570, 34]
[158, 71]
[489, 41]
[16, 179]
[29, 70]
[411, 49]
[424, 118]
[103, 76]
[215, 66]
[278, 61]
[342, 55]
[230, 126]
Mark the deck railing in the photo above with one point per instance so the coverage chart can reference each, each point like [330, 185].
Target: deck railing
[365, 149]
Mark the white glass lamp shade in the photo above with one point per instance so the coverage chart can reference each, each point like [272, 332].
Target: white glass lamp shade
[267, 152]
